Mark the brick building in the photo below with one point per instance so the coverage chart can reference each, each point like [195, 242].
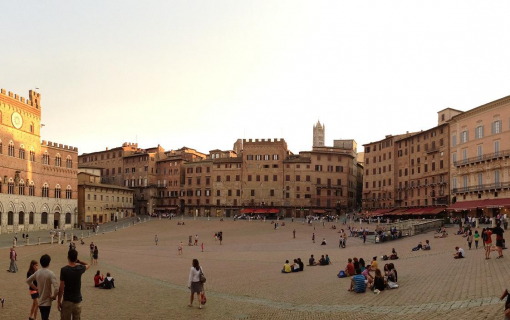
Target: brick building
[38, 183]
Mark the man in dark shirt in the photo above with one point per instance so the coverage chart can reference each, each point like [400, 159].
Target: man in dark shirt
[70, 287]
[498, 231]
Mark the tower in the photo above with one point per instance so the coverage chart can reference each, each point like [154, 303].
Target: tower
[318, 134]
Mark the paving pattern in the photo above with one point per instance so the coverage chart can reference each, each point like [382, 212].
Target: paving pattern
[244, 279]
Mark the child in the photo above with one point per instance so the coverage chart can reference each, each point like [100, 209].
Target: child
[477, 237]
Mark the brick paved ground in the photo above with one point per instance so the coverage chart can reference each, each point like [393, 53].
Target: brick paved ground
[244, 279]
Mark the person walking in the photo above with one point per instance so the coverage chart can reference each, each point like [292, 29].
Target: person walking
[96, 254]
[477, 238]
[196, 239]
[43, 281]
[91, 252]
[294, 233]
[70, 287]
[180, 248]
[202, 247]
[13, 267]
[156, 239]
[195, 283]
[313, 237]
[364, 236]
[498, 231]
[469, 239]
[488, 243]
[33, 293]
[221, 236]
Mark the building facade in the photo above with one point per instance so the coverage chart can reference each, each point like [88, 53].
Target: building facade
[38, 180]
[480, 155]
[99, 202]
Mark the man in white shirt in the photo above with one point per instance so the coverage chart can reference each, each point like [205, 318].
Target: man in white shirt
[459, 254]
[45, 279]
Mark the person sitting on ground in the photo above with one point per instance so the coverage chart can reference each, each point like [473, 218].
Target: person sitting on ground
[323, 243]
[427, 245]
[328, 261]
[286, 267]
[355, 262]
[322, 261]
[362, 264]
[392, 273]
[507, 303]
[358, 283]
[374, 263]
[349, 269]
[460, 231]
[301, 264]
[295, 266]
[108, 282]
[97, 279]
[379, 282]
[368, 277]
[393, 255]
[418, 247]
[459, 254]
[311, 261]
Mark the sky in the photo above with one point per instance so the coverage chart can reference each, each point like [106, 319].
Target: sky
[203, 74]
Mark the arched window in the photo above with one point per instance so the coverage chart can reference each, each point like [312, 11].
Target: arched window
[10, 218]
[21, 187]
[32, 127]
[68, 218]
[45, 190]
[57, 191]
[58, 160]
[31, 218]
[69, 162]
[69, 192]
[46, 158]
[31, 189]
[21, 218]
[44, 218]
[10, 186]
[21, 152]
[11, 149]
[32, 154]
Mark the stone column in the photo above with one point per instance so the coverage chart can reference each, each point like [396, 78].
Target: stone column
[477, 220]
[14, 242]
[38, 240]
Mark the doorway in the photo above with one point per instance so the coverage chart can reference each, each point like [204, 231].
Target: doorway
[56, 220]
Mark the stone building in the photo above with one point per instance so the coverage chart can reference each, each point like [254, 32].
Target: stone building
[38, 183]
[480, 159]
[99, 202]
[226, 178]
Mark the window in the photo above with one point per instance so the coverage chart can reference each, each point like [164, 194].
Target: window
[464, 136]
[45, 191]
[454, 141]
[271, 193]
[275, 157]
[496, 127]
[252, 193]
[454, 157]
[496, 147]
[58, 160]
[57, 192]
[21, 187]
[318, 167]
[10, 218]
[21, 152]
[479, 132]
[69, 192]
[69, 164]
[464, 154]
[11, 149]
[32, 154]
[496, 176]
[10, 187]
[479, 151]
[249, 157]
[31, 189]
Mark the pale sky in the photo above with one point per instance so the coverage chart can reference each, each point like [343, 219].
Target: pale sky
[202, 74]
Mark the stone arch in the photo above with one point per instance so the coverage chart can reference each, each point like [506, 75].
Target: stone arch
[11, 207]
[45, 208]
[22, 207]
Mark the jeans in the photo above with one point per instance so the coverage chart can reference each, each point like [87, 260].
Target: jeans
[45, 312]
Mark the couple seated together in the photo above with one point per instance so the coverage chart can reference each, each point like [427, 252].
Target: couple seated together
[323, 261]
[422, 247]
[295, 267]
[107, 283]
[363, 280]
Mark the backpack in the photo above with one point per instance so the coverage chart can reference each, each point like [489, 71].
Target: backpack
[341, 274]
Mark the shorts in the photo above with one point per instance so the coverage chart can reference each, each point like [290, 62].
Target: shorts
[34, 295]
[499, 243]
[488, 245]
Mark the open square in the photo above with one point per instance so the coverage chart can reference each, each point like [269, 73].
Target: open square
[244, 279]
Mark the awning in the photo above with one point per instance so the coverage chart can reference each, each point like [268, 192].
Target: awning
[163, 208]
[319, 211]
[398, 212]
[486, 203]
[434, 210]
[379, 212]
[247, 210]
[260, 210]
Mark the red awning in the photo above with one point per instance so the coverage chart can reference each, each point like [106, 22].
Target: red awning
[434, 210]
[247, 210]
[486, 203]
[261, 210]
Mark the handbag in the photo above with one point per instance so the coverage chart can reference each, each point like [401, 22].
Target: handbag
[203, 298]
[202, 277]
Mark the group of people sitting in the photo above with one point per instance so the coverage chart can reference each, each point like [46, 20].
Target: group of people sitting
[443, 233]
[180, 223]
[393, 255]
[363, 279]
[104, 283]
[297, 266]
[323, 261]
[420, 246]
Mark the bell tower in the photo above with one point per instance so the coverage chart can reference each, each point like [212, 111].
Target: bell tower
[318, 134]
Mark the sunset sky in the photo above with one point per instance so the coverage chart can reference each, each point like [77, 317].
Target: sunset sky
[202, 74]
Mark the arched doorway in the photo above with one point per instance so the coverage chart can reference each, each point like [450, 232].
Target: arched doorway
[10, 218]
[21, 218]
[56, 220]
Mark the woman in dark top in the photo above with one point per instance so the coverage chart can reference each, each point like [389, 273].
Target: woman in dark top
[33, 293]
[96, 252]
[356, 263]
[108, 282]
[379, 282]
[362, 264]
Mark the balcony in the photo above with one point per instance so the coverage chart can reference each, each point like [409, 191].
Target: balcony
[482, 187]
[328, 186]
[432, 150]
[483, 158]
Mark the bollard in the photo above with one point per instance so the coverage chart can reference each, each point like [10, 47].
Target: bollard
[72, 237]
[82, 234]
[378, 220]
[14, 243]
[26, 241]
[52, 239]
[88, 234]
[38, 240]
[59, 239]
[115, 227]
[476, 222]
[103, 230]
[208, 218]
[264, 219]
